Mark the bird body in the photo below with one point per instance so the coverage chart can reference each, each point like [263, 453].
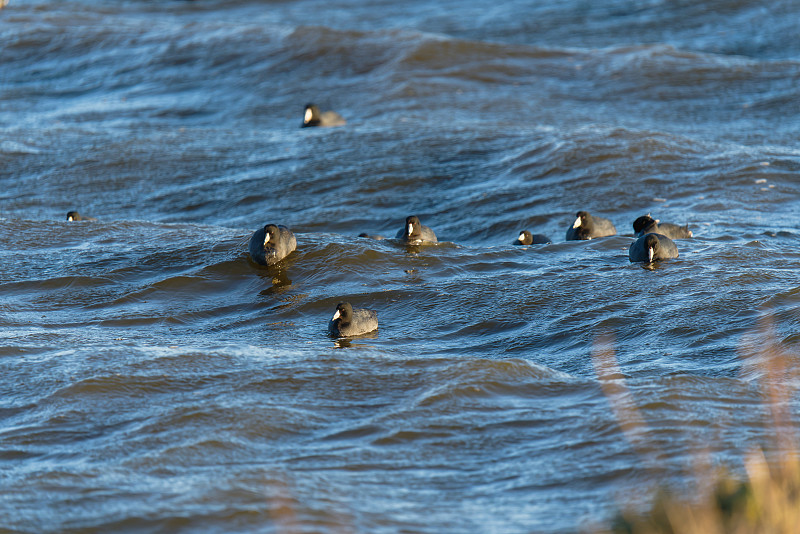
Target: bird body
[349, 321]
[652, 247]
[312, 116]
[272, 243]
[416, 233]
[75, 216]
[527, 238]
[587, 226]
[647, 225]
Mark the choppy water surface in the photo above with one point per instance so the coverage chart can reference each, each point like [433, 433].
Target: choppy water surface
[155, 379]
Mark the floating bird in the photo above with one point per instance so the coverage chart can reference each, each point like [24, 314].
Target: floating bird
[527, 238]
[587, 227]
[314, 117]
[652, 247]
[272, 243]
[349, 322]
[647, 225]
[416, 233]
[75, 216]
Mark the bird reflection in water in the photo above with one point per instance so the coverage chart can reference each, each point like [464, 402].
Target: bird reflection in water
[279, 279]
[347, 342]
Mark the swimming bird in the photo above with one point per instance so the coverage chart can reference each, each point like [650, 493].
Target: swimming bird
[272, 243]
[652, 247]
[75, 216]
[416, 233]
[352, 322]
[647, 225]
[587, 226]
[314, 117]
[527, 238]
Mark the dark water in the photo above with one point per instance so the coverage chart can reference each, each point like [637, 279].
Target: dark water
[154, 379]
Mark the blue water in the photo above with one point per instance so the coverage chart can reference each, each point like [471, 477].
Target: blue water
[155, 379]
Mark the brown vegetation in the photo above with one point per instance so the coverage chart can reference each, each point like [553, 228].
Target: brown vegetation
[764, 501]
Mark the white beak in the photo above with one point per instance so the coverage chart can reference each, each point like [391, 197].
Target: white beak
[650, 255]
[577, 223]
[335, 315]
[410, 229]
[521, 237]
[266, 239]
[307, 116]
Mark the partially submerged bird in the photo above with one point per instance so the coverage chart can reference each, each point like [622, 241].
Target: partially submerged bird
[527, 238]
[647, 225]
[349, 321]
[272, 243]
[652, 247]
[75, 216]
[314, 117]
[587, 226]
[416, 233]
[371, 236]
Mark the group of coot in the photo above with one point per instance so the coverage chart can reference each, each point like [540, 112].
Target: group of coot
[654, 239]
[654, 242]
[272, 243]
